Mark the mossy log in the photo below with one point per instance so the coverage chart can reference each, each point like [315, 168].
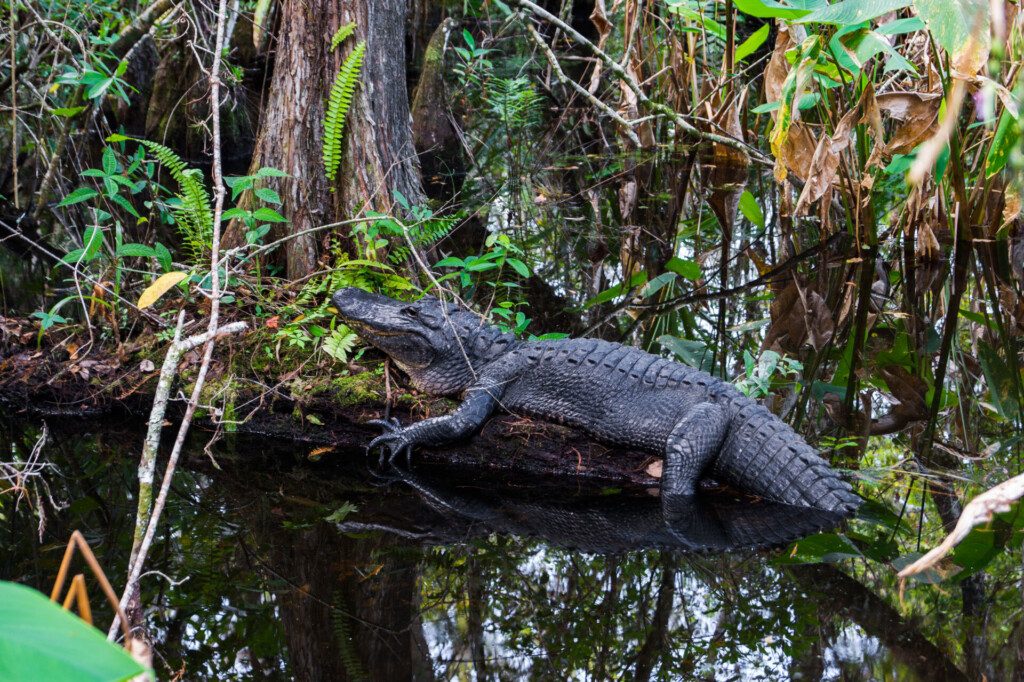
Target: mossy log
[325, 415]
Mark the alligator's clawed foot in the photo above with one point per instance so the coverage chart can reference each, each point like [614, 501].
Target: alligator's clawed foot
[393, 440]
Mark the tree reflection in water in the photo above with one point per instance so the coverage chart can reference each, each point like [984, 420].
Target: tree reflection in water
[472, 580]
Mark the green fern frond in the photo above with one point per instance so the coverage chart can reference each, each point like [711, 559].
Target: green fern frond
[194, 216]
[337, 109]
[344, 32]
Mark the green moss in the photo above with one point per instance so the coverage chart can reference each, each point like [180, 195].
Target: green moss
[358, 389]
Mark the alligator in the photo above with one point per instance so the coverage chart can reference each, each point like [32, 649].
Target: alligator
[712, 521]
[703, 427]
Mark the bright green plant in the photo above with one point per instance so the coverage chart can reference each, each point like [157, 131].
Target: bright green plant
[340, 100]
[41, 641]
[759, 374]
[257, 221]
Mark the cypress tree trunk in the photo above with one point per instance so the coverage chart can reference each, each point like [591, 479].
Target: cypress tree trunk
[378, 154]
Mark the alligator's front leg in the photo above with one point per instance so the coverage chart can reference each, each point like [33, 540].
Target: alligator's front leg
[466, 420]
[692, 445]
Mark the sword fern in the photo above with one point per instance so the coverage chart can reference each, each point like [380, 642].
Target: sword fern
[339, 101]
[194, 213]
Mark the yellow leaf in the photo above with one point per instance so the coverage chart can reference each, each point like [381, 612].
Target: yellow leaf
[160, 287]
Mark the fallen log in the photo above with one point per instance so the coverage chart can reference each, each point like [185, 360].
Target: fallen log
[330, 424]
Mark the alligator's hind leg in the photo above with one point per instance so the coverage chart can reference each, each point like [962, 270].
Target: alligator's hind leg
[691, 446]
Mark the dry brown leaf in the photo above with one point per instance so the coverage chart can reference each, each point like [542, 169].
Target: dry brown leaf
[917, 113]
[161, 286]
[798, 150]
[908, 389]
[799, 315]
[824, 165]
[599, 18]
[778, 66]
[927, 245]
[930, 150]
[1011, 206]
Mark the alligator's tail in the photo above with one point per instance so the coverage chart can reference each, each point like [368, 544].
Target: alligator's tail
[763, 455]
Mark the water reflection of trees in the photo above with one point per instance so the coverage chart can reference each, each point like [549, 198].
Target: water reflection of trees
[275, 591]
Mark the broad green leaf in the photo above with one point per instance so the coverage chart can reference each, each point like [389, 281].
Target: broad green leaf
[268, 195]
[861, 45]
[617, 290]
[853, 11]
[92, 240]
[161, 286]
[519, 266]
[136, 250]
[1000, 381]
[961, 27]
[822, 548]
[268, 215]
[450, 262]
[163, 256]
[79, 195]
[67, 112]
[684, 268]
[73, 257]
[806, 101]
[109, 161]
[41, 641]
[657, 284]
[1003, 144]
[769, 9]
[751, 209]
[270, 172]
[750, 45]
[693, 353]
[901, 26]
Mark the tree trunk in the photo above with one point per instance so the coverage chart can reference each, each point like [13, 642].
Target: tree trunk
[378, 154]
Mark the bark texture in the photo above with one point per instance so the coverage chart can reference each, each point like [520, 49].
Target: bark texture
[378, 157]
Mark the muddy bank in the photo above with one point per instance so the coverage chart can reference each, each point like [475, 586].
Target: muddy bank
[321, 412]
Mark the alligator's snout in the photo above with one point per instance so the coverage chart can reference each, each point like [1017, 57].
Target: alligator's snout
[362, 307]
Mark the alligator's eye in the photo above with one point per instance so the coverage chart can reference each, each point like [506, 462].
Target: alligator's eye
[412, 311]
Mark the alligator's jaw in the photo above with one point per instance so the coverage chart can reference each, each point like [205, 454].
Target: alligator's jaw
[373, 313]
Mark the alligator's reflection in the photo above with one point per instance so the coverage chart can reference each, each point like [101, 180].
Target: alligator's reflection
[595, 523]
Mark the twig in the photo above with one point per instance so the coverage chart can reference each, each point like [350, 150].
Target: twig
[631, 83]
[179, 347]
[14, 105]
[538, 40]
[978, 511]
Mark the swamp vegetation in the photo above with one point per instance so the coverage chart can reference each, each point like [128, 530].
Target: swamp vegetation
[820, 202]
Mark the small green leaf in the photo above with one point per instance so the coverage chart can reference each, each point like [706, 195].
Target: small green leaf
[270, 172]
[769, 9]
[520, 267]
[689, 269]
[92, 240]
[163, 256]
[268, 215]
[751, 44]
[268, 195]
[341, 513]
[68, 112]
[850, 12]
[751, 209]
[1003, 144]
[79, 195]
[31, 627]
[136, 251]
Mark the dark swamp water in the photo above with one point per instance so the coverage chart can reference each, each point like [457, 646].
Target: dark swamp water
[270, 566]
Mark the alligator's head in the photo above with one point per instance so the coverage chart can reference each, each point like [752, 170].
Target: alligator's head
[440, 345]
